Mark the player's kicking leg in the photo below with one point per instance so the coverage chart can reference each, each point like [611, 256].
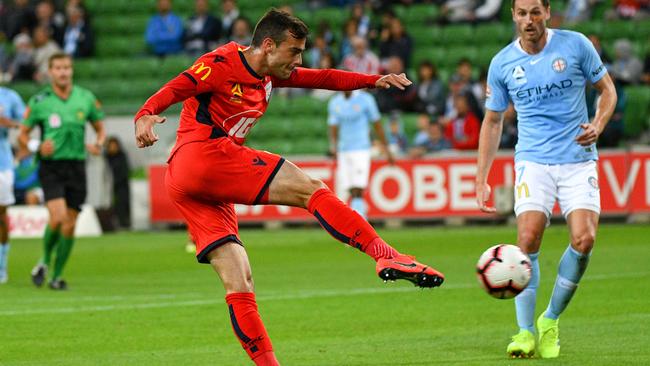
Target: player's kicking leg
[291, 186]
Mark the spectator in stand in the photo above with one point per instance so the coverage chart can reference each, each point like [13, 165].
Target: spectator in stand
[326, 62]
[361, 59]
[629, 9]
[509, 133]
[317, 50]
[325, 30]
[20, 18]
[469, 11]
[229, 13]
[79, 38]
[21, 66]
[397, 140]
[393, 99]
[595, 40]
[422, 135]
[119, 166]
[430, 97]
[627, 68]
[164, 34]
[456, 11]
[349, 32]
[47, 16]
[465, 70]
[382, 30]
[202, 30]
[396, 43]
[44, 47]
[241, 31]
[487, 11]
[435, 141]
[358, 13]
[578, 10]
[463, 131]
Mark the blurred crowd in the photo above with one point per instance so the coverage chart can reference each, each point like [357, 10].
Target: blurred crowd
[373, 39]
[30, 32]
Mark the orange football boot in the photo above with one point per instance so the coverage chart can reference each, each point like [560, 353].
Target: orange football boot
[405, 267]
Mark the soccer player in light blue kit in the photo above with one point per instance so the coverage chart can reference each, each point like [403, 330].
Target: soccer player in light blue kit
[544, 73]
[12, 109]
[350, 114]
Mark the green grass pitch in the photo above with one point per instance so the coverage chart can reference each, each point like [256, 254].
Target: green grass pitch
[139, 299]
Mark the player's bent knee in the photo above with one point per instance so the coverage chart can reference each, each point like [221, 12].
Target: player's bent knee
[244, 284]
[529, 239]
[584, 242]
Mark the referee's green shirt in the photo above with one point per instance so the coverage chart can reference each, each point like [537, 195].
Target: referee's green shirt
[64, 120]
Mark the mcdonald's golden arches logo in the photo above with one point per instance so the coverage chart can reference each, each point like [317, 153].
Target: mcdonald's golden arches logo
[522, 188]
[199, 68]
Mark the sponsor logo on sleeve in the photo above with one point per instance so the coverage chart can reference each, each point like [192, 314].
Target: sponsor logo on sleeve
[200, 69]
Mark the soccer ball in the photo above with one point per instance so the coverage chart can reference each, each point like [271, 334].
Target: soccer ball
[503, 271]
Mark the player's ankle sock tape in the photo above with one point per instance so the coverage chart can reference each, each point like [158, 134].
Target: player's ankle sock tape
[247, 324]
[347, 226]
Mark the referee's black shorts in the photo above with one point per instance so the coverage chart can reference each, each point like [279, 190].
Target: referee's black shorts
[64, 179]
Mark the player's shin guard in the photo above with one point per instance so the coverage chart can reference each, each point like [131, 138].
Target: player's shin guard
[249, 329]
[347, 226]
[525, 301]
[572, 266]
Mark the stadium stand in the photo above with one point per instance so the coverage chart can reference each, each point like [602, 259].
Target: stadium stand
[123, 74]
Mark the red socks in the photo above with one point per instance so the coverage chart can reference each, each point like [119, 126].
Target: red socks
[347, 226]
[249, 329]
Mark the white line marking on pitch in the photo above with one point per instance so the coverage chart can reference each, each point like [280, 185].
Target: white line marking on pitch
[269, 297]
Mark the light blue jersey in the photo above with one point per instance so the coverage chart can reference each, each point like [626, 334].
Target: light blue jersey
[353, 115]
[548, 92]
[12, 107]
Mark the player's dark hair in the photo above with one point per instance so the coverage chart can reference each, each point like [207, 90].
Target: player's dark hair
[546, 3]
[274, 25]
[57, 56]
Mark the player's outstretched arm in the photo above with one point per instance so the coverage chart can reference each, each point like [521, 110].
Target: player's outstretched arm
[487, 149]
[399, 81]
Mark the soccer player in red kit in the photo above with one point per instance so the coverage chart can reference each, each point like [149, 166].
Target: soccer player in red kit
[224, 94]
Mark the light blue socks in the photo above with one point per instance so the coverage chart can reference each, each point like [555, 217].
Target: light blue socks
[572, 266]
[4, 258]
[525, 301]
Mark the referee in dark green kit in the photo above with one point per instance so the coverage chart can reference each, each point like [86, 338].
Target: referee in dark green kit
[61, 111]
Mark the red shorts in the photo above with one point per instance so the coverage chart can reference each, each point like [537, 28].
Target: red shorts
[206, 178]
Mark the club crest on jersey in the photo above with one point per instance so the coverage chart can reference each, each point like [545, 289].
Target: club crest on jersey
[237, 93]
[268, 88]
[54, 120]
[519, 74]
[559, 65]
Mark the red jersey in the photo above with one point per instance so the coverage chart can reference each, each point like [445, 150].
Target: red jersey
[223, 96]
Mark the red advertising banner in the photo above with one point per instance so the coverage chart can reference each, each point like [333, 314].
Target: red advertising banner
[436, 187]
